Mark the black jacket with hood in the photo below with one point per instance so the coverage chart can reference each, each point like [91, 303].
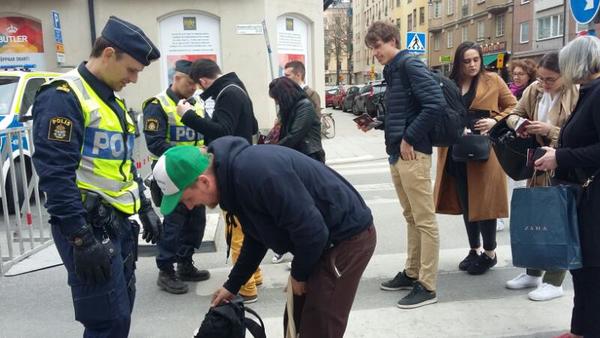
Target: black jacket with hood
[233, 113]
[285, 202]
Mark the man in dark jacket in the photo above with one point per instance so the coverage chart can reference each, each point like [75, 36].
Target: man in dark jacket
[288, 203]
[413, 100]
[233, 113]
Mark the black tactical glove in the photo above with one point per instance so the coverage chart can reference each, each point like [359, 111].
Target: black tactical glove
[90, 257]
[151, 223]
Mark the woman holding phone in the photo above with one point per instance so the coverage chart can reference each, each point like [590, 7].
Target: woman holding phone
[541, 112]
[478, 186]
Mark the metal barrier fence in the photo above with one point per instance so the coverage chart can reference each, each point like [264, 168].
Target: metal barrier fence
[24, 221]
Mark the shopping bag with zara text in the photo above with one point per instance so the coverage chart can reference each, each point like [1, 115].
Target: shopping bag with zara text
[543, 228]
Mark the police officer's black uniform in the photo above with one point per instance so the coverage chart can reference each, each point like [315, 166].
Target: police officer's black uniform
[96, 242]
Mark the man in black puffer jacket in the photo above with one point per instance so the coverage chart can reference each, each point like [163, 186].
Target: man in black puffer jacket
[411, 111]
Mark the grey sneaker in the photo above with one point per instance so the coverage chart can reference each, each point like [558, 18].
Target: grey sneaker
[400, 282]
[168, 281]
[249, 299]
[419, 296]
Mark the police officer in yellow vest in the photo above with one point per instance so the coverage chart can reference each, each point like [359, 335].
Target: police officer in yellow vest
[183, 229]
[83, 140]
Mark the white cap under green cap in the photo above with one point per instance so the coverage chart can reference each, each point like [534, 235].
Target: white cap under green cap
[176, 170]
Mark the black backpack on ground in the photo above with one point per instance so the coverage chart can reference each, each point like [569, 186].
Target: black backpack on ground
[450, 127]
[228, 320]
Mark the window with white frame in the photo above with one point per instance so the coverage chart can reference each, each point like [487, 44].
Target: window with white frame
[549, 27]
[465, 8]
[437, 9]
[524, 32]
[450, 41]
[409, 22]
[465, 34]
[436, 41]
[480, 30]
[499, 25]
[450, 8]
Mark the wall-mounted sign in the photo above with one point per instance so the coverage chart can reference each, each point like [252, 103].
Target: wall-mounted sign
[190, 37]
[60, 47]
[292, 42]
[250, 29]
[21, 43]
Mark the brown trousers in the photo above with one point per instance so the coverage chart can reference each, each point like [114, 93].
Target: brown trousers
[323, 311]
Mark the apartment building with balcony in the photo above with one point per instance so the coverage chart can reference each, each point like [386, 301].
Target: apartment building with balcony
[488, 22]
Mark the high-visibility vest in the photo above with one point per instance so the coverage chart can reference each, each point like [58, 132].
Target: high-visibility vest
[105, 166]
[178, 134]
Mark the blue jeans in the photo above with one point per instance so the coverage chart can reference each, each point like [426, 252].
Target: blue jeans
[104, 309]
[183, 232]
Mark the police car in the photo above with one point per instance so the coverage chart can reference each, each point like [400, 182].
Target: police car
[17, 93]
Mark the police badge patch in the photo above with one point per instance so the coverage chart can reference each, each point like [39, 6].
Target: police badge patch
[151, 125]
[60, 129]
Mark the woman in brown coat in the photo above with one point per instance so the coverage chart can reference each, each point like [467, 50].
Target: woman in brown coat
[546, 104]
[477, 190]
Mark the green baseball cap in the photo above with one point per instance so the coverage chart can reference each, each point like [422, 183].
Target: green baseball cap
[176, 170]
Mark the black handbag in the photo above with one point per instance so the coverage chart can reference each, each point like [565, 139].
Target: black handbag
[471, 147]
[511, 151]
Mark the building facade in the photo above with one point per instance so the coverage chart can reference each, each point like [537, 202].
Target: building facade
[488, 22]
[338, 44]
[229, 32]
[542, 26]
[364, 13]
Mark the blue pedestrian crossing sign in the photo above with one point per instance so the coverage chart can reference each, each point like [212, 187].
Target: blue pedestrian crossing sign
[584, 11]
[415, 42]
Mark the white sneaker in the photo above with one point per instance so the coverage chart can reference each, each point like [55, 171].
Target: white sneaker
[277, 258]
[499, 224]
[523, 281]
[546, 292]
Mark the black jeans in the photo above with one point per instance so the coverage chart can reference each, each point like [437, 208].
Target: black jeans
[586, 302]
[485, 228]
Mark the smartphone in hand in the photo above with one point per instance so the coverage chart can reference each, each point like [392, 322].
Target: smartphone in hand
[521, 126]
[366, 122]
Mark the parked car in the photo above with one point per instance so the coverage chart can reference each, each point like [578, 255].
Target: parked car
[349, 98]
[338, 98]
[17, 92]
[367, 98]
[329, 94]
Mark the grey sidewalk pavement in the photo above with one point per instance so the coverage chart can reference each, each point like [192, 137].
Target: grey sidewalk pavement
[39, 304]
[351, 144]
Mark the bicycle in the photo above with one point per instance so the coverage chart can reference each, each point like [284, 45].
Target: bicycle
[327, 125]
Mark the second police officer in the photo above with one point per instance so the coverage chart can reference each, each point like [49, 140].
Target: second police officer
[184, 228]
[84, 140]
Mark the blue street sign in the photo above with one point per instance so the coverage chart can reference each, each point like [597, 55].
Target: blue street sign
[55, 20]
[415, 42]
[58, 36]
[584, 11]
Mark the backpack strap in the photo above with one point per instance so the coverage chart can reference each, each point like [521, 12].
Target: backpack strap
[229, 85]
[257, 330]
[401, 67]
